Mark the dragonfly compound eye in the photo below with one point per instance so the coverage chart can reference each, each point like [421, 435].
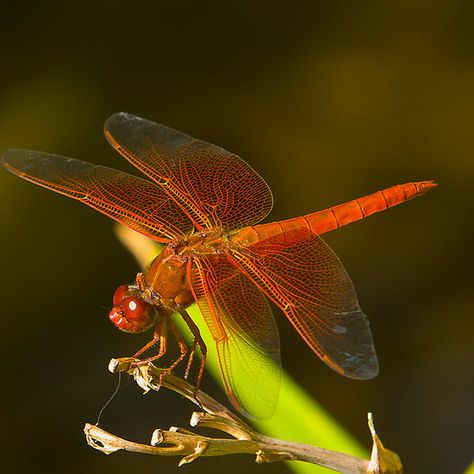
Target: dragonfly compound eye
[119, 294]
[131, 314]
[133, 308]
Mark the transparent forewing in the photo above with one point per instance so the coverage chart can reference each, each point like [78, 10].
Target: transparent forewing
[134, 202]
[214, 187]
[241, 322]
[304, 277]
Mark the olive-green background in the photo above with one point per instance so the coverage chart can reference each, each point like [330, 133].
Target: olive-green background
[328, 101]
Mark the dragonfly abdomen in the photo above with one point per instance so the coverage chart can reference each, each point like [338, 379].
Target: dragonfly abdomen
[338, 216]
[334, 217]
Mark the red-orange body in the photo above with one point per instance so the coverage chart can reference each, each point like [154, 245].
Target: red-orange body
[206, 204]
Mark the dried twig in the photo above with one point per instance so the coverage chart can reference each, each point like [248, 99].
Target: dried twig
[190, 445]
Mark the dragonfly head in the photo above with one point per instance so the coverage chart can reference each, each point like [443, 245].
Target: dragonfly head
[130, 313]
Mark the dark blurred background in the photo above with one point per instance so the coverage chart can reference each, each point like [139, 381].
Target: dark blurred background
[328, 101]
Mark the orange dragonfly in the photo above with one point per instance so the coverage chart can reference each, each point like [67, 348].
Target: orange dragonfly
[205, 204]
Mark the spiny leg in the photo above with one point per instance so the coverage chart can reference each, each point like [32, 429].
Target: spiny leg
[160, 333]
[202, 346]
[156, 336]
[190, 359]
[182, 347]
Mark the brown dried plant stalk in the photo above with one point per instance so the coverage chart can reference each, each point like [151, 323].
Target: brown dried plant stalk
[245, 440]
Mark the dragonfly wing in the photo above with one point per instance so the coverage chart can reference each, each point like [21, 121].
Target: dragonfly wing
[305, 278]
[134, 202]
[241, 322]
[214, 187]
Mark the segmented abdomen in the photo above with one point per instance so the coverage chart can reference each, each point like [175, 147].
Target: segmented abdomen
[334, 217]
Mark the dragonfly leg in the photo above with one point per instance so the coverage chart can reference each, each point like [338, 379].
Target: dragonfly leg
[160, 335]
[190, 359]
[182, 347]
[202, 346]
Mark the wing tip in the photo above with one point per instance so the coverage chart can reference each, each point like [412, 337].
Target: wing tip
[367, 371]
[362, 366]
[118, 119]
[15, 159]
[121, 116]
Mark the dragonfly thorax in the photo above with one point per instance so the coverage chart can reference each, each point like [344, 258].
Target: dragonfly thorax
[207, 241]
[165, 283]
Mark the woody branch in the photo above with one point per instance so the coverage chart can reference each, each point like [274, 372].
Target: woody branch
[245, 440]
